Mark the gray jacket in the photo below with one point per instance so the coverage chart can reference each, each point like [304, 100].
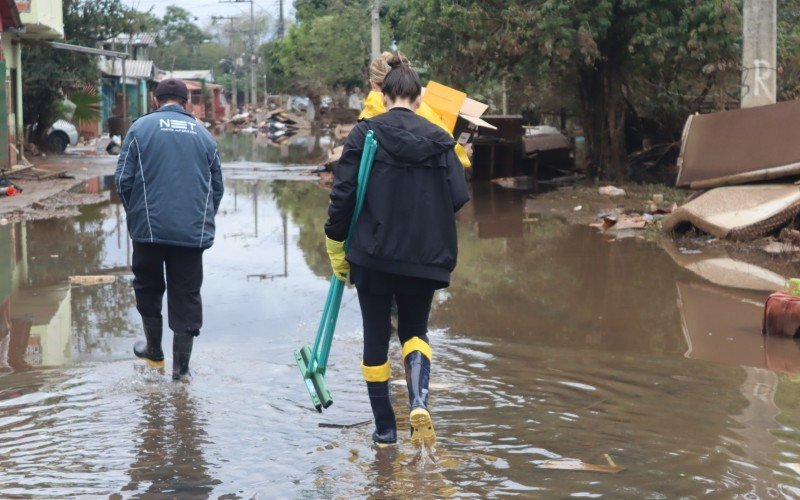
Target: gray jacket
[170, 180]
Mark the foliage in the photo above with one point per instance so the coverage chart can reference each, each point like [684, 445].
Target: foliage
[485, 38]
[618, 64]
[308, 10]
[317, 53]
[277, 78]
[181, 43]
[87, 105]
[330, 45]
[87, 22]
[788, 49]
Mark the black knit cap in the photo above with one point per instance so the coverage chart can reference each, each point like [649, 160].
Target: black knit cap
[172, 87]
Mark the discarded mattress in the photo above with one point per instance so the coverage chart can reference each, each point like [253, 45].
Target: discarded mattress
[739, 212]
[715, 265]
[740, 146]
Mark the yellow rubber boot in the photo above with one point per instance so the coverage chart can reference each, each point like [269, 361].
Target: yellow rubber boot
[417, 360]
[380, 399]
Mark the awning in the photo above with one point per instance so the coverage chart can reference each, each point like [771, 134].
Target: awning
[76, 48]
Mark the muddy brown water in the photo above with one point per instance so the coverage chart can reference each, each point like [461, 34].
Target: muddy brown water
[552, 342]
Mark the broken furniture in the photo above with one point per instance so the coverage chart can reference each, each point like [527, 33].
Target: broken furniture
[498, 153]
[740, 146]
[724, 151]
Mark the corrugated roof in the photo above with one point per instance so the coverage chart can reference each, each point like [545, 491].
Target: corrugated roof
[141, 39]
[143, 70]
[190, 74]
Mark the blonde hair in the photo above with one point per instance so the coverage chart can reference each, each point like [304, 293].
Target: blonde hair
[379, 67]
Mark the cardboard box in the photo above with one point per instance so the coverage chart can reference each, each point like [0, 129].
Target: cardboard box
[452, 104]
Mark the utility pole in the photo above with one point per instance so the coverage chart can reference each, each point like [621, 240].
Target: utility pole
[234, 90]
[759, 73]
[253, 84]
[252, 51]
[376, 29]
[281, 25]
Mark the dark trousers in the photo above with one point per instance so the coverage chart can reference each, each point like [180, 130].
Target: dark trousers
[412, 321]
[184, 273]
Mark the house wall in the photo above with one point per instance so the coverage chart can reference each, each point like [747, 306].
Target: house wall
[13, 88]
[142, 97]
[44, 20]
[134, 111]
[9, 111]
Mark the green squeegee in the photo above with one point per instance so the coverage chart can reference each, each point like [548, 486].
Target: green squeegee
[313, 361]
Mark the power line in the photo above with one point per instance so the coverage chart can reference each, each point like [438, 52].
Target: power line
[253, 89]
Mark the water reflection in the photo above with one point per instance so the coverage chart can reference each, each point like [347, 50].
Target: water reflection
[308, 148]
[552, 342]
[170, 437]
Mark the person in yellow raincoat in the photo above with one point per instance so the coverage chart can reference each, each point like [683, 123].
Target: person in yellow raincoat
[373, 105]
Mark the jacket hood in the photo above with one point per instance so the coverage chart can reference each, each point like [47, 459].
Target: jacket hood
[405, 145]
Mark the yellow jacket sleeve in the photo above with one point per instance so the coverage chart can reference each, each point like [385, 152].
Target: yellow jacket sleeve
[463, 157]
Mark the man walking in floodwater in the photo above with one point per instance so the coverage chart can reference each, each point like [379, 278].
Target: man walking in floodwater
[169, 179]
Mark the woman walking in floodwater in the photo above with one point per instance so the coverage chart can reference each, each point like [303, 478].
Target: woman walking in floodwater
[404, 245]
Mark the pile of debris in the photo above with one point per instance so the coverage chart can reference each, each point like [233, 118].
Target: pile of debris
[616, 221]
[745, 163]
[278, 125]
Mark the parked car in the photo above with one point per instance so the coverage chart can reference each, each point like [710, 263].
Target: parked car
[60, 135]
[299, 103]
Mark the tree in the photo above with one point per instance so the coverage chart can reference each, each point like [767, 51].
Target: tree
[614, 61]
[317, 54]
[181, 42]
[611, 43]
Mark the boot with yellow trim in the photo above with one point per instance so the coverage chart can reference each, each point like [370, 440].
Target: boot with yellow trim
[417, 359]
[150, 349]
[380, 399]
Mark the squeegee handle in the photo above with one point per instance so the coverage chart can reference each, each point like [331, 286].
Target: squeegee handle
[330, 313]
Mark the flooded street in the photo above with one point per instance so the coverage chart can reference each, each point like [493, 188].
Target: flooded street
[552, 342]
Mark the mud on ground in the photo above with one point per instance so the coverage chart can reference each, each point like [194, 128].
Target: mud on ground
[56, 197]
[582, 203]
[64, 204]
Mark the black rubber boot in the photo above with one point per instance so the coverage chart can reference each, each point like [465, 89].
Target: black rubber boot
[381, 401]
[150, 349]
[181, 354]
[418, 374]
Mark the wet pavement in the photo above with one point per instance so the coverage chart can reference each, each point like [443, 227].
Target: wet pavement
[552, 342]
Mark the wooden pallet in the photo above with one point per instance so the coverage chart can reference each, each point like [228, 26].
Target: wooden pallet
[32, 173]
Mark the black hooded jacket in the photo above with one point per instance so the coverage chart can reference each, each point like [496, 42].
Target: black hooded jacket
[417, 184]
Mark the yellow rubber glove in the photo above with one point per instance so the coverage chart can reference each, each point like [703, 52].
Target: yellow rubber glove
[339, 264]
